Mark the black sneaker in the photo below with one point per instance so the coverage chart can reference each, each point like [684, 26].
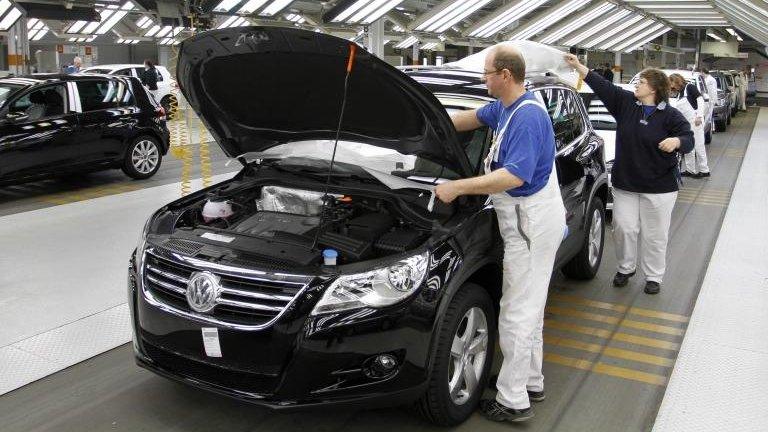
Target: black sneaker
[652, 287]
[492, 410]
[688, 174]
[533, 396]
[536, 396]
[702, 175]
[621, 279]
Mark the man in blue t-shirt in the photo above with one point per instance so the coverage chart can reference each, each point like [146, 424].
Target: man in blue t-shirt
[520, 179]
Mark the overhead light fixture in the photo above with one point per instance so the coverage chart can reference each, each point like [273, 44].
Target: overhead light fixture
[598, 26]
[637, 29]
[547, 19]
[715, 37]
[225, 5]
[9, 14]
[152, 31]
[429, 46]
[577, 22]
[638, 37]
[109, 16]
[164, 32]
[144, 22]
[673, 6]
[407, 42]
[614, 31]
[275, 7]
[503, 18]
[249, 7]
[296, 18]
[733, 33]
[648, 39]
[359, 11]
[453, 12]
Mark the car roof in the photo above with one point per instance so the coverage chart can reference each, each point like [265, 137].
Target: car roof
[47, 78]
[453, 81]
[115, 67]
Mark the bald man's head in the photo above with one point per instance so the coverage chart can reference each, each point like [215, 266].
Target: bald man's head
[510, 58]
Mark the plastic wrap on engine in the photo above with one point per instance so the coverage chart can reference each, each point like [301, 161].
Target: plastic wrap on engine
[287, 200]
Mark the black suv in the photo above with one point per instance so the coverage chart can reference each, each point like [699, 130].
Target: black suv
[59, 124]
[234, 289]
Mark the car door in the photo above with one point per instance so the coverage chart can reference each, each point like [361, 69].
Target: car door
[569, 125]
[107, 118]
[38, 133]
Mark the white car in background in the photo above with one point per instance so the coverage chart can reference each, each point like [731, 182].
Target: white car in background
[167, 88]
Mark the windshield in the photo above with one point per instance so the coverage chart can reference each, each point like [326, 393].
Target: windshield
[363, 155]
[602, 121]
[6, 90]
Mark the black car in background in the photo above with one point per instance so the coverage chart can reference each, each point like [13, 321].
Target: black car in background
[296, 285]
[52, 125]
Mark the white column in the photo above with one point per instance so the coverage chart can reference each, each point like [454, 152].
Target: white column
[679, 45]
[375, 38]
[18, 47]
[164, 56]
[664, 53]
[617, 63]
[415, 52]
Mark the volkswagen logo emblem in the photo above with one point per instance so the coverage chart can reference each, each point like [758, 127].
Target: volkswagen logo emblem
[203, 291]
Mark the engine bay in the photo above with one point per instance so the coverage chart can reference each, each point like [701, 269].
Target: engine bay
[296, 226]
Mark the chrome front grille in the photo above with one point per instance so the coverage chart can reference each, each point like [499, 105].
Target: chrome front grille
[248, 298]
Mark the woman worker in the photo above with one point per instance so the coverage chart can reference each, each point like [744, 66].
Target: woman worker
[687, 99]
[645, 171]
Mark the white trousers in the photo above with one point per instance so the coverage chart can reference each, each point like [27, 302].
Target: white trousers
[696, 160]
[648, 215]
[532, 229]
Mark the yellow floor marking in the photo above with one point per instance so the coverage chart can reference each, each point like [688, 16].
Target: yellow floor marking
[649, 342]
[719, 192]
[586, 302]
[609, 351]
[629, 374]
[703, 195]
[568, 361]
[583, 315]
[591, 331]
[651, 327]
[656, 314]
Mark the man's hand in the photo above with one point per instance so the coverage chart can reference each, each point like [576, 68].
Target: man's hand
[574, 62]
[447, 192]
[669, 145]
[697, 121]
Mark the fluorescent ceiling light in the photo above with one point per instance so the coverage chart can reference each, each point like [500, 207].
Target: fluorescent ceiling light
[619, 28]
[638, 37]
[177, 30]
[715, 37]
[598, 26]
[429, 46]
[577, 22]
[275, 7]
[407, 42]
[144, 22]
[673, 6]
[151, 32]
[648, 39]
[225, 5]
[504, 17]
[549, 18]
[108, 24]
[378, 13]
[251, 6]
[298, 19]
[615, 43]
[164, 31]
[10, 18]
[451, 14]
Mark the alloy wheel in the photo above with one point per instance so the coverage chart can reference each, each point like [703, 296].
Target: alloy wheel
[145, 156]
[468, 356]
[595, 237]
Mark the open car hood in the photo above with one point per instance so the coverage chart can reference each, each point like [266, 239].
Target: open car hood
[257, 87]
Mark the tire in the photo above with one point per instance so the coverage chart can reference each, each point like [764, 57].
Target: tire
[168, 103]
[720, 125]
[728, 120]
[707, 137]
[142, 157]
[437, 405]
[585, 264]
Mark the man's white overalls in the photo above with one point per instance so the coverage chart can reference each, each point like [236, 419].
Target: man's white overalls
[532, 228]
[695, 161]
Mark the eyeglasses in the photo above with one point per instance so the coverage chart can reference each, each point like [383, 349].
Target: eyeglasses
[639, 83]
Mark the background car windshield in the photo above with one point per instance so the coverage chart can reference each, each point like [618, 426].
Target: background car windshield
[365, 155]
[6, 90]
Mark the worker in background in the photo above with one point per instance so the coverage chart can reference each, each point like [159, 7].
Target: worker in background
[608, 73]
[645, 177]
[711, 83]
[149, 77]
[77, 63]
[522, 183]
[743, 91]
[687, 99]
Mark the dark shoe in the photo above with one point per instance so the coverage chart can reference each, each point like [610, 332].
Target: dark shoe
[702, 175]
[536, 396]
[652, 287]
[533, 396]
[688, 174]
[622, 279]
[495, 411]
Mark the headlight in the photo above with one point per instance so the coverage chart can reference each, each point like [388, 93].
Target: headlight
[139, 257]
[377, 288]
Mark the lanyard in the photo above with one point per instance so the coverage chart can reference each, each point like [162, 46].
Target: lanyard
[493, 153]
[644, 120]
